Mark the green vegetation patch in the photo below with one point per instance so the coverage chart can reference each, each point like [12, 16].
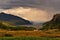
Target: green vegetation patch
[28, 38]
[3, 26]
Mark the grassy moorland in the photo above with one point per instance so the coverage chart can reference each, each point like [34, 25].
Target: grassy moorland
[48, 33]
[27, 33]
[28, 38]
[17, 31]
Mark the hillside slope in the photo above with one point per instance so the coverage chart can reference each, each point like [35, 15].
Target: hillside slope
[15, 20]
[54, 23]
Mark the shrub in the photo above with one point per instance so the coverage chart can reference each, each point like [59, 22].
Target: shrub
[8, 35]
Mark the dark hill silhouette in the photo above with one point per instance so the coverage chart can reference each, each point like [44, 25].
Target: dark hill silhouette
[56, 18]
[54, 23]
[13, 19]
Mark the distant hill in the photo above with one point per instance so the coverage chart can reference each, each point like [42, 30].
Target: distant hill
[13, 20]
[54, 23]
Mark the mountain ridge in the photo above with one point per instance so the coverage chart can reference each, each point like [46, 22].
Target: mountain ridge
[54, 23]
[14, 19]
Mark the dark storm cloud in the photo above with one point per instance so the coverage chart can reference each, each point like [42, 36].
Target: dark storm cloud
[18, 3]
[42, 4]
[42, 8]
[33, 3]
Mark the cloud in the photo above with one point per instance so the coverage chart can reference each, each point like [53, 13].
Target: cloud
[40, 4]
[31, 9]
[30, 3]
[32, 14]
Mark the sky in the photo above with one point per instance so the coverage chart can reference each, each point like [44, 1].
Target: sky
[33, 10]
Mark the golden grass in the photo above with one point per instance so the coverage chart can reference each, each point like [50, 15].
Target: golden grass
[49, 33]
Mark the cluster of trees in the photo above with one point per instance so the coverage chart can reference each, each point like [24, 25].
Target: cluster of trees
[2, 26]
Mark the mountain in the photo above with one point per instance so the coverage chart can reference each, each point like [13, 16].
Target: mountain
[14, 20]
[56, 18]
[54, 23]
